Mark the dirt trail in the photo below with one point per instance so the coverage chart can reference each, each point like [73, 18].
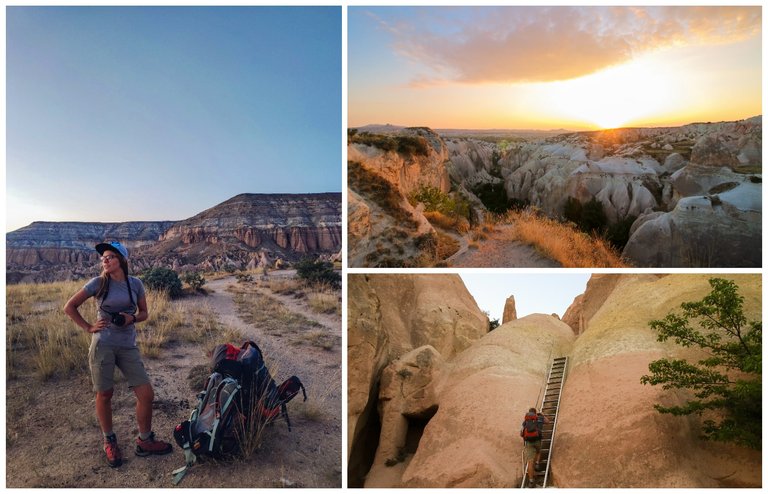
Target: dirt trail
[60, 445]
[500, 250]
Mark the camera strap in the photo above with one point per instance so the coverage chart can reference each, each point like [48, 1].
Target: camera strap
[106, 293]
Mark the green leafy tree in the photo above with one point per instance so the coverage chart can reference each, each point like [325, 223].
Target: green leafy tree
[728, 382]
[162, 279]
[194, 280]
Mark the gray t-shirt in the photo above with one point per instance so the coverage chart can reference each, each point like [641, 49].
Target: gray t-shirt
[117, 300]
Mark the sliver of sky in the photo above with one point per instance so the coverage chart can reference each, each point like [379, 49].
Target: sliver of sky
[158, 113]
[534, 293]
[553, 67]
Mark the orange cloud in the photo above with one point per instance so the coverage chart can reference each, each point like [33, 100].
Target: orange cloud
[526, 44]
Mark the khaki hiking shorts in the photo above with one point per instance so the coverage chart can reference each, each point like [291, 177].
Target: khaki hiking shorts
[104, 358]
[530, 450]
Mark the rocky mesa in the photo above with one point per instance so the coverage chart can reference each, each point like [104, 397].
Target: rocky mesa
[436, 400]
[241, 232]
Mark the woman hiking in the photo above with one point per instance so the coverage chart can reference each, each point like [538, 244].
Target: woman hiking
[121, 304]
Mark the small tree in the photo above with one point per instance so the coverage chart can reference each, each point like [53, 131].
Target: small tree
[318, 272]
[194, 280]
[593, 216]
[729, 381]
[162, 279]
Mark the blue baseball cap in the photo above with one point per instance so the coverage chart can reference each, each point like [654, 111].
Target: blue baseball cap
[114, 247]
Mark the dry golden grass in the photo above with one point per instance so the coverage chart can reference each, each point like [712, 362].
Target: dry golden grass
[562, 242]
[324, 300]
[40, 338]
[456, 223]
[318, 403]
[285, 286]
[275, 318]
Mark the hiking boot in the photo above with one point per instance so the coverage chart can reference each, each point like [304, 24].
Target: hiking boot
[114, 457]
[151, 446]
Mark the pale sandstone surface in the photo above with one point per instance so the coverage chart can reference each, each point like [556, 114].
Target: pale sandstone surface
[390, 315]
[475, 406]
[607, 361]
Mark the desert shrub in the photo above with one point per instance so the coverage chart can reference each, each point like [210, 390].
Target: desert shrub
[593, 217]
[194, 280]
[405, 145]
[618, 233]
[244, 278]
[572, 210]
[494, 197]
[162, 279]
[318, 272]
[452, 205]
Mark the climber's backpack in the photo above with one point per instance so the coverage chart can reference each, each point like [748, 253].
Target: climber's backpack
[531, 431]
[240, 392]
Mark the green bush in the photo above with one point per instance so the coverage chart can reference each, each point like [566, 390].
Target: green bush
[162, 279]
[572, 210]
[618, 233]
[593, 217]
[318, 272]
[436, 200]
[194, 280]
[494, 198]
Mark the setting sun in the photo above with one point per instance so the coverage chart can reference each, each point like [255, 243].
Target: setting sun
[573, 68]
[613, 97]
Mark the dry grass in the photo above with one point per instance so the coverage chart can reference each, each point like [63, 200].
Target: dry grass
[458, 224]
[40, 338]
[285, 286]
[324, 300]
[275, 318]
[562, 242]
[318, 403]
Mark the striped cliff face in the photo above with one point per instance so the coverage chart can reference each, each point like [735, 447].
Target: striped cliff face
[234, 233]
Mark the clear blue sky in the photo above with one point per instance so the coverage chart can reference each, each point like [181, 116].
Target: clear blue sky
[534, 293]
[149, 113]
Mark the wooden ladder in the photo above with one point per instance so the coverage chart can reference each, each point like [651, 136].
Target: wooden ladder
[550, 405]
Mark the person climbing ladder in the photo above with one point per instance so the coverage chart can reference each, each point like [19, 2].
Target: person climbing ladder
[531, 432]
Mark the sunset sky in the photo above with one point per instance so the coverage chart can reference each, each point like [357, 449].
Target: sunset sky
[552, 67]
[148, 113]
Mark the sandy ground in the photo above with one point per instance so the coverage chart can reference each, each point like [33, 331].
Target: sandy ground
[60, 443]
[500, 250]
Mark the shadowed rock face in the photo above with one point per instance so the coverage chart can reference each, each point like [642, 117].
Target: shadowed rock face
[389, 316]
[232, 233]
[451, 418]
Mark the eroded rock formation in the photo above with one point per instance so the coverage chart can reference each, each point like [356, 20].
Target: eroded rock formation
[388, 317]
[450, 417]
[685, 191]
[231, 234]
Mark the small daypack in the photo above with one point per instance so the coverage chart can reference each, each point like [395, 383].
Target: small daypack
[239, 387]
[531, 431]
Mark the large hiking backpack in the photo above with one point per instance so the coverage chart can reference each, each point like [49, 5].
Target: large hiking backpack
[239, 393]
[531, 430]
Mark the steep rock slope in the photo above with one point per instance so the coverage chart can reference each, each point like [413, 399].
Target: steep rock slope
[384, 228]
[388, 316]
[609, 435]
[471, 438]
